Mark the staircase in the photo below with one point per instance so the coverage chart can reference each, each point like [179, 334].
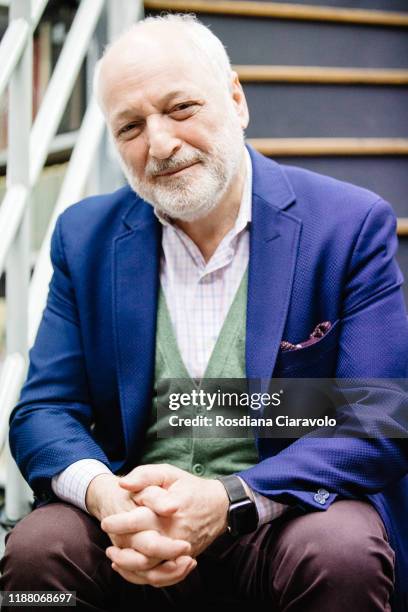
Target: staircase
[326, 84]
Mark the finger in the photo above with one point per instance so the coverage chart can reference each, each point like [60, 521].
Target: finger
[157, 499]
[132, 560]
[157, 546]
[127, 541]
[165, 575]
[141, 518]
[133, 541]
[140, 578]
[161, 474]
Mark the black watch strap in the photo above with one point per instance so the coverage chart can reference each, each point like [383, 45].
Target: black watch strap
[234, 487]
[242, 513]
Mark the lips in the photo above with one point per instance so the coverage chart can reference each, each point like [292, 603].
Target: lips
[176, 170]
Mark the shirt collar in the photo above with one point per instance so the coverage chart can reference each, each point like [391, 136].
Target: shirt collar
[245, 210]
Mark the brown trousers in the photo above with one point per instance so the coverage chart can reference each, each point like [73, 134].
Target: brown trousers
[331, 561]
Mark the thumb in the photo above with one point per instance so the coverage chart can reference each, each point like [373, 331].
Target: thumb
[157, 499]
[161, 475]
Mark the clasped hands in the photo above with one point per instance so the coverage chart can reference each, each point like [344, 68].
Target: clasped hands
[161, 518]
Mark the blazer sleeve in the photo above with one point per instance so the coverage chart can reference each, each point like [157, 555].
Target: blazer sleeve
[51, 426]
[373, 344]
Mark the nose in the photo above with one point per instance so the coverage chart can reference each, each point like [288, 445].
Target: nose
[163, 143]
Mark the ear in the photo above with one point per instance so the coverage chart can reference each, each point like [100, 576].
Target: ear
[239, 100]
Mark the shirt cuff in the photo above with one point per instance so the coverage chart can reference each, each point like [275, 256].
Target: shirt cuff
[268, 509]
[71, 484]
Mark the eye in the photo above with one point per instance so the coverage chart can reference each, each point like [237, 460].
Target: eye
[183, 106]
[184, 110]
[128, 128]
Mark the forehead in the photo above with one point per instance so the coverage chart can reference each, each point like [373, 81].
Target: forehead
[140, 75]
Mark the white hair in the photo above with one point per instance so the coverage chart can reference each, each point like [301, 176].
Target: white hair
[206, 44]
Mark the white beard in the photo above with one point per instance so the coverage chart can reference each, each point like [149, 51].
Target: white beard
[191, 198]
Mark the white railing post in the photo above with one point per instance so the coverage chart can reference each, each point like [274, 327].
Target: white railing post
[120, 16]
[18, 260]
[117, 16]
[106, 174]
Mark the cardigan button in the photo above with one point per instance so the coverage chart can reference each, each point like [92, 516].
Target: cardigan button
[198, 469]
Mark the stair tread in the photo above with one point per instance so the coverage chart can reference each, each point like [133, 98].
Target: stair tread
[280, 10]
[321, 74]
[331, 146]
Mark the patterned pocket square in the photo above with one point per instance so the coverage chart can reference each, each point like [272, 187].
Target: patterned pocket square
[319, 331]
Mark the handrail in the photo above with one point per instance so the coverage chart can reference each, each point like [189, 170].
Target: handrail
[37, 9]
[89, 137]
[13, 371]
[14, 40]
[11, 213]
[11, 47]
[60, 142]
[50, 113]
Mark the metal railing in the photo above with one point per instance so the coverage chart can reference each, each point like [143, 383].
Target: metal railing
[95, 23]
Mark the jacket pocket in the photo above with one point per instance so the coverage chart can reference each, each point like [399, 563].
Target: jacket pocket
[315, 360]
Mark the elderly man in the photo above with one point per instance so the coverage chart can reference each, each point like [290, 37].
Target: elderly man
[215, 263]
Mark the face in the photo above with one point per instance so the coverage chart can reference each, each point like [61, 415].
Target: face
[177, 129]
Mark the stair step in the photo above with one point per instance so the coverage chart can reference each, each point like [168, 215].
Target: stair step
[402, 228]
[385, 175]
[320, 74]
[259, 41]
[330, 146]
[382, 5]
[281, 10]
[298, 110]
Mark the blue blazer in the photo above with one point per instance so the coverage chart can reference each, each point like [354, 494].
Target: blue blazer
[320, 250]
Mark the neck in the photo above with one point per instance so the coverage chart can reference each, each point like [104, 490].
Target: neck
[207, 233]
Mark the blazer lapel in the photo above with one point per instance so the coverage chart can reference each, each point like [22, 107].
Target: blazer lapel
[274, 239]
[136, 256]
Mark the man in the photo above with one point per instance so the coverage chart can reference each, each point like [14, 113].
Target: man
[226, 256]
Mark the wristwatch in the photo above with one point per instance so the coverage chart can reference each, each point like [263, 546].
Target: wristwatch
[242, 512]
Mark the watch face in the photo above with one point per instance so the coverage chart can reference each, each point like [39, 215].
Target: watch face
[243, 517]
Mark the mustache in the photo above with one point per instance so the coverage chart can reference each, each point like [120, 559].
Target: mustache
[172, 164]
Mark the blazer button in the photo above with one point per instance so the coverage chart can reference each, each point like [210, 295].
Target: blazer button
[321, 496]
